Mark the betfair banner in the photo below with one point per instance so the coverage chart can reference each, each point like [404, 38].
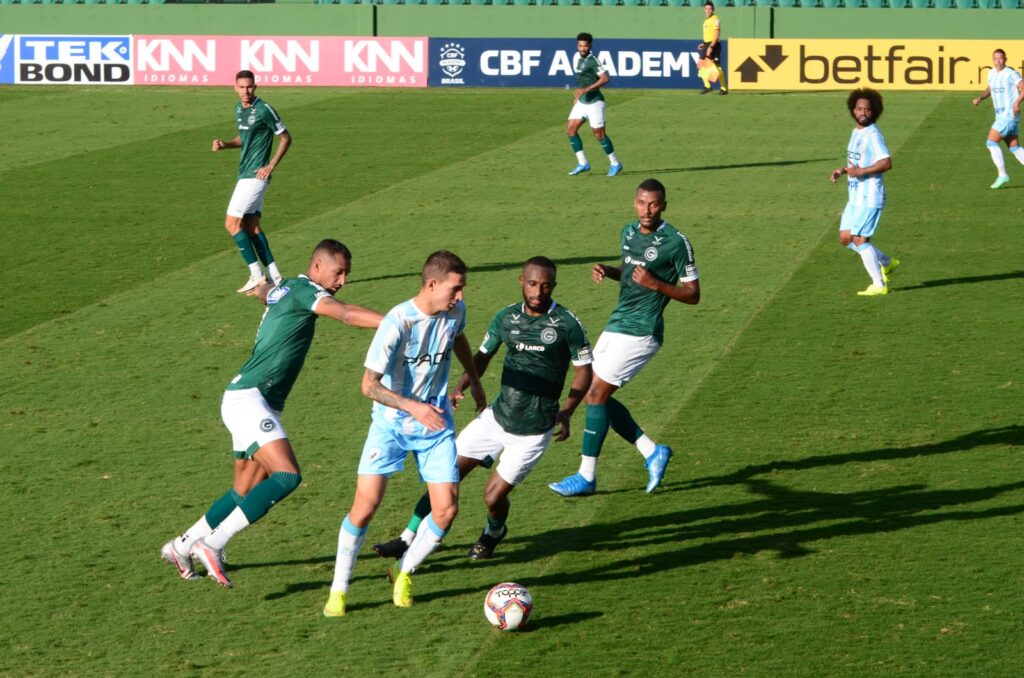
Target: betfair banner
[881, 64]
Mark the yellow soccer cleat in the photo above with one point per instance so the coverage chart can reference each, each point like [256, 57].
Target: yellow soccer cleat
[402, 596]
[873, 291]
[887, 270]
[335, 606]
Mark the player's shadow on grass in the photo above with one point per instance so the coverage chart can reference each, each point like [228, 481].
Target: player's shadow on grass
[963, 280]
[499, 266]
[780, 520]
[711, 168]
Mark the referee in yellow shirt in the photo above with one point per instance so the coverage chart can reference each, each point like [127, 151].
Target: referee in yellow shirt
[711, 48]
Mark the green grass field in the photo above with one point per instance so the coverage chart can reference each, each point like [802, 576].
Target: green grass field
[846, 495]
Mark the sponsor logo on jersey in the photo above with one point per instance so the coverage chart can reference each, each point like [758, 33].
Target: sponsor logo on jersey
[452, 61]
[530, 347]
[267, 425]
[548, 335]
[252, 118]
[277, 294]
[691, 270]
[426, 359]
[651, 253]
[584, 354]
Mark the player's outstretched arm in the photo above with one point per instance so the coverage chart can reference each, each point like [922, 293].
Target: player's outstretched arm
[981, 97]
[430, 416]
[284, 143]
[581, 379]
[465, 355]
[350, 314]
[480, 360]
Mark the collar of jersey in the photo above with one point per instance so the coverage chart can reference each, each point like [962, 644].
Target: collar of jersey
[547, 312]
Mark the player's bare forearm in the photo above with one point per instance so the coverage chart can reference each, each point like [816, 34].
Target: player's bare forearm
[350, 314]
[282, 148]
[261, 292]
[883, 165]
[581, 379]
[480, 360]
[601, 271]
[465, 355]
[687, 292]
[374, 390]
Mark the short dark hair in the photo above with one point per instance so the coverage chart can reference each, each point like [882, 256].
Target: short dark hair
[585, 37]
[653, 186]
[873, 97]
[245, 74]
[331, 246]
[708, 3]
[439, 264]
[543, 262]
[1001, 51]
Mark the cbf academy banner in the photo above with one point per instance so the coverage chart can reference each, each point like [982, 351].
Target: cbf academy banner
[525, 62]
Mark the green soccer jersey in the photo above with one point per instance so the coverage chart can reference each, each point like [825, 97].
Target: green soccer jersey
[282, 340]
[588, 70]
[667, 254]
[538, 352]
[257, 127]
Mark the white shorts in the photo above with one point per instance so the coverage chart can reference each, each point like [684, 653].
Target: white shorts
[592, 113]
[250, 420]
[486, 441]
[247, 198]
[620, 357]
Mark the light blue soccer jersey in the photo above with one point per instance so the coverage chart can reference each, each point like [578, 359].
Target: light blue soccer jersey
[866, 147]
[1003, 85]
[414, 353]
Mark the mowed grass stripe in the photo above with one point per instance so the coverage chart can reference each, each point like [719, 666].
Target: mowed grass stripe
[127, 213]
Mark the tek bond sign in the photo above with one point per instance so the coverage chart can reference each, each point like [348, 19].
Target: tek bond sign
[490, 62]
[213, 60]
[880, 64]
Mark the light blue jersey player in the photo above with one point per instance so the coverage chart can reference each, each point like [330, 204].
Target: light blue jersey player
[1006, 89]
[867, 158]
[406, 376]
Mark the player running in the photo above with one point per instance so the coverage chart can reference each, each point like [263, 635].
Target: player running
[657, 267]
[1006, 89]
[258, 123]
[266, 470]
[867, 158]
[407, 376]
[591, 76]
[541, 339]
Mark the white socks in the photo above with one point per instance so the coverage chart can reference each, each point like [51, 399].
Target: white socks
[997, 156]
[229, 527]
[588, 467]
[645, 446]
[428, 536]
[350, 540]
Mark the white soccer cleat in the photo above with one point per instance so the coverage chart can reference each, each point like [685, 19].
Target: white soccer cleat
[182, 563]
[252, 283]
[213, 560]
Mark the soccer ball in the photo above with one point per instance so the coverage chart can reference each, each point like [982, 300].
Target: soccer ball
[508, 606]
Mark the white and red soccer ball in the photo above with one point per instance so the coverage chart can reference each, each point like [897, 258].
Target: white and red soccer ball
[508, 606]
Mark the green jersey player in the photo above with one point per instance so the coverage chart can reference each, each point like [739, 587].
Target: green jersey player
[266, 470]
[541, 339]
[589, 105]
[258, 124]
[657, 267]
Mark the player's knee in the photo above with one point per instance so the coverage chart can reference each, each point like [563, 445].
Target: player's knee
[445, 516]
[288, 482]
[845, 238]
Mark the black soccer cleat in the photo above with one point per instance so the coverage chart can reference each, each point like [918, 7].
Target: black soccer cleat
[395, 548]
[485, 545]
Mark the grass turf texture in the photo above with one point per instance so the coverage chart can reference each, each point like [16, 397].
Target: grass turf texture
[846, 492]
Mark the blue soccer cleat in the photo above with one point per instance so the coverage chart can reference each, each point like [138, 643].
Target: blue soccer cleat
[574, 486]
[579, 169]
[614, 169]
[656, 465]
